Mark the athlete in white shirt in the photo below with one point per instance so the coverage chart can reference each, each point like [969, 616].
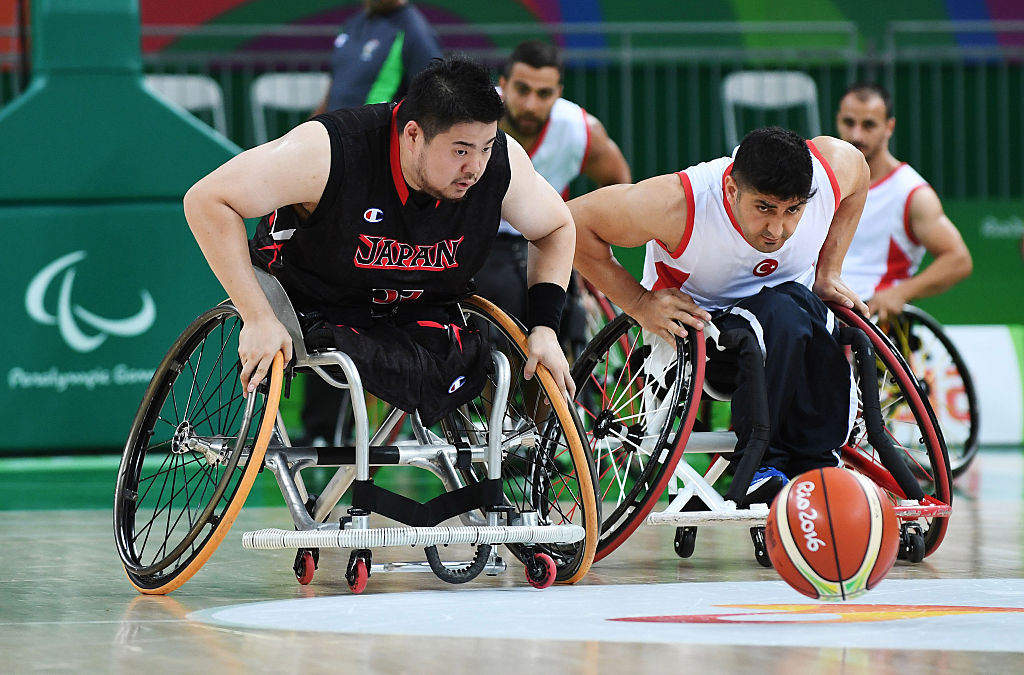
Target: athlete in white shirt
[563, 141]
[747, 237]
[902, 219]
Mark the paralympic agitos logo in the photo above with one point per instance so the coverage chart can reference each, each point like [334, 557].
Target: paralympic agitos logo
[69, 316]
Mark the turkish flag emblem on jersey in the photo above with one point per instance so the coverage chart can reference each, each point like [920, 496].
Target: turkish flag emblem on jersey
[765, 267]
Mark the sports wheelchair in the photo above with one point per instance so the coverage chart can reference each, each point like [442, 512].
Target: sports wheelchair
[512, 461]
[639, 397]
[944, 378]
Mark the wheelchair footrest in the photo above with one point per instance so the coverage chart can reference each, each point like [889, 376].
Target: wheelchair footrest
[757, 513]
[412, 536]
[910, 509]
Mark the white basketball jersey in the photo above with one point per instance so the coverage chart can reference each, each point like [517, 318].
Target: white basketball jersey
[884, 251]
[714, 264]
[560, 149]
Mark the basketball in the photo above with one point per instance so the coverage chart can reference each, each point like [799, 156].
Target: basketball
[831, 534]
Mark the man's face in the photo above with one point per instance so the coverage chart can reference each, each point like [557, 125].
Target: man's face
[863, 124]
[450, 163]
[766, 221]
[529, 95]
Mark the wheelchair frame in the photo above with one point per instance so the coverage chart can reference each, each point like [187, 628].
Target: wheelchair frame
[469, 462]
[621, 444]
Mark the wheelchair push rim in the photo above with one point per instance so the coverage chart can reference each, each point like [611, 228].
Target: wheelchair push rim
[546, 466]
[911, 426]
[193, 452]
[637, 414]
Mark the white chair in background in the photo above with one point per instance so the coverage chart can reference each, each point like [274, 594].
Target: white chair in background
[768, 90]
[193, 93]
[290, 92]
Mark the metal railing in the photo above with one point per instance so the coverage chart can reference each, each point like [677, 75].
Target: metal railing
[658, 86]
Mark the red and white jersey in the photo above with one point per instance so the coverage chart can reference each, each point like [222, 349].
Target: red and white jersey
[884, 250]
[560, 150]
[714, 264]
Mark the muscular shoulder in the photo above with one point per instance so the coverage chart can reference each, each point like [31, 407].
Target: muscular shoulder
[846, 161]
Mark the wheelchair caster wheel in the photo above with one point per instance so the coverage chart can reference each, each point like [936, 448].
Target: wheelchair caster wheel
[306, 560]
[760, 548]
[541, 571]
[358, 573]
[911, 543]
[686, 539]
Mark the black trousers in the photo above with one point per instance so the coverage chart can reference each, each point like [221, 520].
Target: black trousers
[807, 374]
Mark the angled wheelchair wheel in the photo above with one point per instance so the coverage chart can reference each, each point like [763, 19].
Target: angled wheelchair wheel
[193, 452]
[910, 425]
[944, 378]
[637, 399]
[546, 467]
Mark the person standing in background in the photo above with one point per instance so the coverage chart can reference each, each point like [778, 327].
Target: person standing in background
[378, 53]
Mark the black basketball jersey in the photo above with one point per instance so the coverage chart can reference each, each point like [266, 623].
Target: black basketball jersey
[370, 246]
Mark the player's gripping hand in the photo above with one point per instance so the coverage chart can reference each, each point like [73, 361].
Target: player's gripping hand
[832, 289]
[543, 348]
[662, 311]
[260, 339]
[886, 304]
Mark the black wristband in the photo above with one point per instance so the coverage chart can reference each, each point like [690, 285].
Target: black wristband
[544, 305]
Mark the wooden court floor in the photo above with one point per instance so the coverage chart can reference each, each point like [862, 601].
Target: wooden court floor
[65, 606]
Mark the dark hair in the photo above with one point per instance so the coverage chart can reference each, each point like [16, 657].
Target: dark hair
[864, 90]
[450, 91]
[774, 161]
[536, 54]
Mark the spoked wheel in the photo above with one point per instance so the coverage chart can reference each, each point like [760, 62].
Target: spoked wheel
[909, 424]
[637, 398]
[193, 452]
[944, 378]
[546, 468]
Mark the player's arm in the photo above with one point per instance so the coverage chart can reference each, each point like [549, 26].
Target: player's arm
[630, 216]
[951, 259]
[533, 207]
[290, 170]
[852, 174]
[604, 164]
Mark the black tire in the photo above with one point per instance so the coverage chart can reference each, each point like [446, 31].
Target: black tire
[911, 426]
[546, 465]
[613, 387]
[175, 502]
[944, 378]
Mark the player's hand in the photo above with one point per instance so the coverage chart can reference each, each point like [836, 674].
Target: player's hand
[659, 311]
[543, 348]
[832, 289]
[258, 342]
[887, 304]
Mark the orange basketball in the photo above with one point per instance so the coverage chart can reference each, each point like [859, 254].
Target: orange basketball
[831, 534]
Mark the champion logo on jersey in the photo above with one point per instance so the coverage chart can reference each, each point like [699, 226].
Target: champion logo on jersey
[765, 267]
[457, 384]
[373, 215]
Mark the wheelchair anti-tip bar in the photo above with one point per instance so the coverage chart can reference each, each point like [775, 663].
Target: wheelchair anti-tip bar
[273, 538]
